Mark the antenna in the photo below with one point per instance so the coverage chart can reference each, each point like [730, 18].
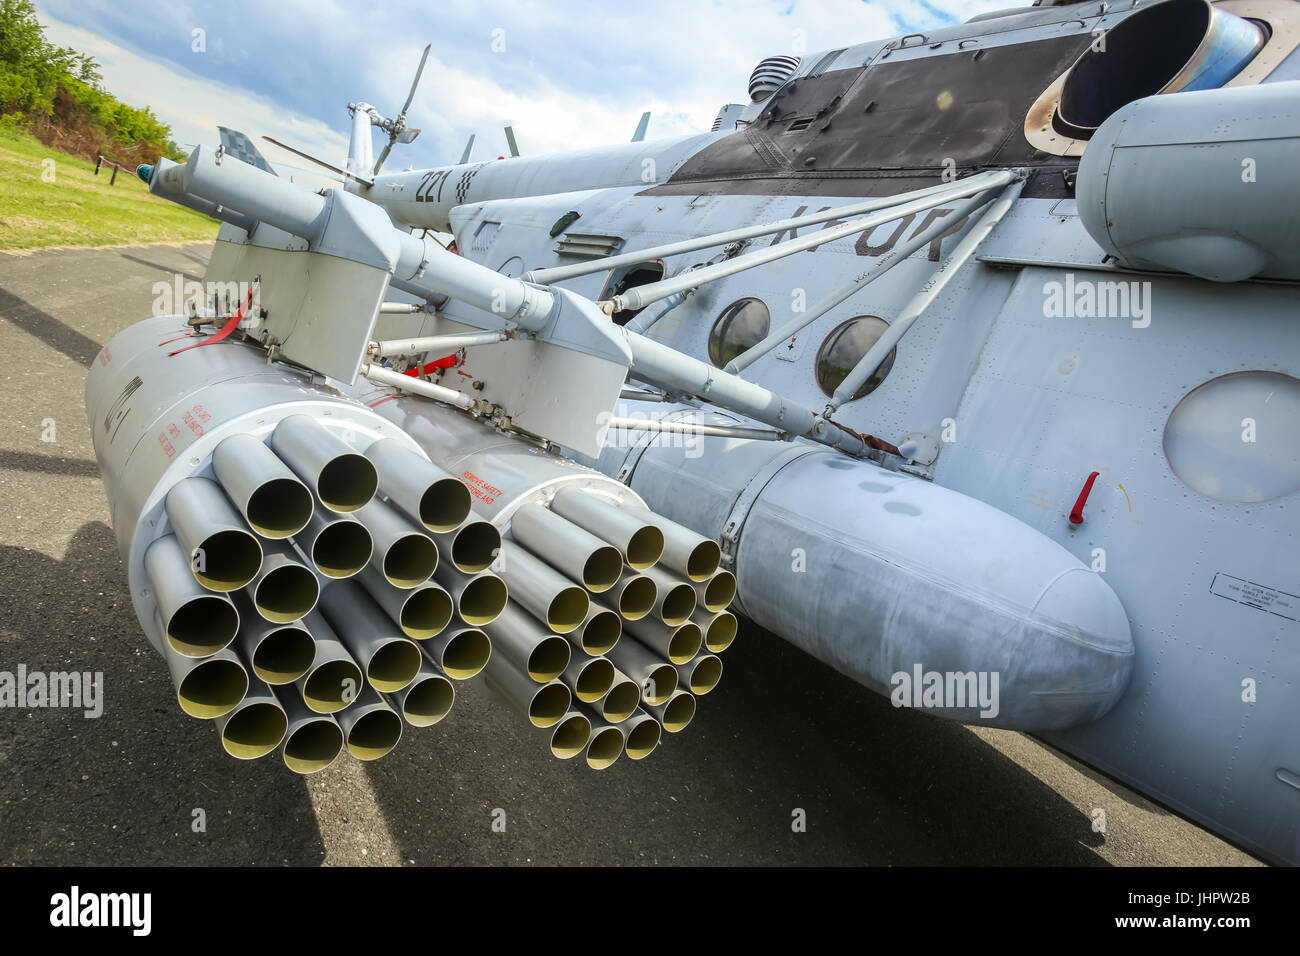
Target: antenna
[510, 141]
[639, 135]
[469, 148]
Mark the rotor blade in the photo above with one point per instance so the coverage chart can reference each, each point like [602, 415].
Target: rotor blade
[383, 155]
[510, 140]
[639, 135]
[414, 83]
[469, 148]
[320, 162]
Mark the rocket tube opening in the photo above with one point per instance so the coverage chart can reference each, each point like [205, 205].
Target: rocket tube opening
[347, 482]
[570, 736]
[621, 701]
[254, 731]
[677, 714]
[410, 561]
[549, 659]
[549, 704]
[637, 599]
[393, 665]
[645, 547]
[679, 604]
[483, 600]
[212, 688]
[227, 560]
[444, 505]
[313, 746]
[660, 684]
[342, 549]
[601, 633]
[719, 591]
[428, 701]
[703, 560]
[602, 570]
[642, 739]
[279, 508]
[594, 680]
[685, 643]
[374, 734]
[704, 676]
[466, 654]
[331, 687]
[202, 625]
[284, 655]
[604, 748]
[475, 546]
[286, 593]
[567, 610]
[426, 613]
[720, 632]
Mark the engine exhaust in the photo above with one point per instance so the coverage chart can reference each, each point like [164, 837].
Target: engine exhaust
[256, 726]
[478, 598]
[460, 653]
[284, 590]
[334, 679]
[278, 653]
[269, 496]
[550, 596]
[371, 729]
[312, 741]
[390, 661]
[195, 622]
[342, 479]
[405, 557]
[654, 678]
[640, 541]
[225, 554]
[427, 699]
[339, 546]
[520, 638]
[420, 612]
[575, 553]
[426, 493]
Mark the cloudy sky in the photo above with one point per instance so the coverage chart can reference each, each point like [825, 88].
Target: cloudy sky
[567, 73]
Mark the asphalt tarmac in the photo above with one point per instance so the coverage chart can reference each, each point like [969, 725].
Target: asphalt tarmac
[144, 784]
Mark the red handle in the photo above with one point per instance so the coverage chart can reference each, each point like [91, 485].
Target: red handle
[1076, 515]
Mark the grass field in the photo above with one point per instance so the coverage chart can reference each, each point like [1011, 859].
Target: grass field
[79, 208]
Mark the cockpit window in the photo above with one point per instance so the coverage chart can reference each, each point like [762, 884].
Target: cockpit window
[845, 347]
[740, 327]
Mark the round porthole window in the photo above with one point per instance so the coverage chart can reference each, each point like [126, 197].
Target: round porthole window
[1234, 438]
[740, 327]
[845, 347]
